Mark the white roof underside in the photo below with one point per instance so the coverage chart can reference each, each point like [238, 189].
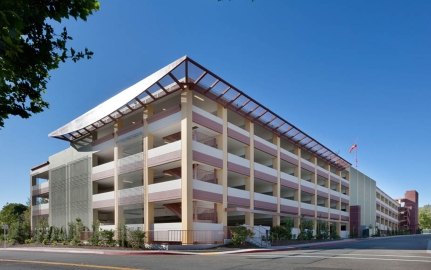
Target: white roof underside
[116, 102]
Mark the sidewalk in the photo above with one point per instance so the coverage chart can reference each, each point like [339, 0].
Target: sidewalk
[171, 252]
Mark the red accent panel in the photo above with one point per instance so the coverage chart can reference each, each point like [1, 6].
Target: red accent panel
[335, 198]
[322, 173]
[307, 167]
[307, 189]
[265, 176]
[238, 169]
[322, 214]
[289, 184]
[265, 205]
[288, 209]
[163, 114]
[322, 194]
[203, 121]
[207, 159]
[336, 180]
[207, 196]
[307, 212]
[289, 159]
[164, 195]
[238, 136]
[130, 128]
[238, 201]
[265, 148]
[335, 216]
[355, 220]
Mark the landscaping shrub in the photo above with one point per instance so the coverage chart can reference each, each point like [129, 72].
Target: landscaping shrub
[306, 228]
[106, 237]
[136, 238]
[322, 232]
[239, 235]
[95, 237]
[122, 236]
[280, 233]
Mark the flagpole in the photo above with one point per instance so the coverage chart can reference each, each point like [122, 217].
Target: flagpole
[356, 157]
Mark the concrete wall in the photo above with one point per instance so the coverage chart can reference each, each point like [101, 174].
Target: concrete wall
[363, 193]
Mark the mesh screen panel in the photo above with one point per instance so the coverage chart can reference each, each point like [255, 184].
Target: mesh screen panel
[79, 181]
[58, 197]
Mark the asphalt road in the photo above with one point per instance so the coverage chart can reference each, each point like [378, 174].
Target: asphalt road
[405, 252]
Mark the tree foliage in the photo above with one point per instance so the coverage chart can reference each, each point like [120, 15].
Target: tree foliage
[16, 216]
[12, 212]
[30, 47]
[425, 217]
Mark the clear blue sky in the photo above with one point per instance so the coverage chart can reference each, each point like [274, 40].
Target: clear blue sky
[343, 71]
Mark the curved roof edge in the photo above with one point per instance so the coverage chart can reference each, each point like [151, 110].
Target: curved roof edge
[207, 83]
[114, 103]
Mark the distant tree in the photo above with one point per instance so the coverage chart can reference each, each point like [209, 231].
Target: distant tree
[425, 217]
[30, 48]
[12, 212]
[16, 216]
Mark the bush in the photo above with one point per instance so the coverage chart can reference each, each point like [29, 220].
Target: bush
[306, 228]
[41, 230]
[322, 230]
[95, 237]
[122, 236]
[239, 235]
[106, 237]
[280, 233]
[333, 232]
[136, 238]
[288, 223]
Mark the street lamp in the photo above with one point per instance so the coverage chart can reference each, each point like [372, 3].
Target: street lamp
[5, 227]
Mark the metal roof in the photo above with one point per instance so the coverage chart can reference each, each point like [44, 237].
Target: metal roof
[182, 73]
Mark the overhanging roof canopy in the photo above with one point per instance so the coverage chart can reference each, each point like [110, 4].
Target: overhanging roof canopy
[178, 75]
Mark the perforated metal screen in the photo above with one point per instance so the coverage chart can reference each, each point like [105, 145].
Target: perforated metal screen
[70, 193]
[79, 200]
[58, 197]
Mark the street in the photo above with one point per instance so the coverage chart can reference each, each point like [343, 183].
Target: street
[402, 252]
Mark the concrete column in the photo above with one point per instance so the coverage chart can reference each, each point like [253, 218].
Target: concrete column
[32, 183]
[118, 217]
[186, 166]
[299, 187]
[147, 174]
[277, 187]
[249, 185]
[222, 174]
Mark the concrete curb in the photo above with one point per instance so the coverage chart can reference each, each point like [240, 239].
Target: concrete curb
[99, 251]
[170, 252]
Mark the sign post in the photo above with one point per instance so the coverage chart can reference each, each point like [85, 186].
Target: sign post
[5, 228]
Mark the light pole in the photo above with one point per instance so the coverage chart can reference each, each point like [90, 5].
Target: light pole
[5, 227]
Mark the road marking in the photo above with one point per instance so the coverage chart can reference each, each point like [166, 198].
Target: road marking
[352, 258]
[69, 264]
[356, 254]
